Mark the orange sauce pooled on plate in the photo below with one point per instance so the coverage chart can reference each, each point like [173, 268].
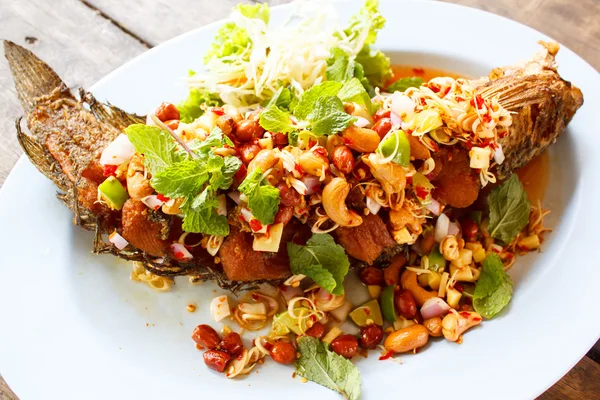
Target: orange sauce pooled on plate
[534, 176]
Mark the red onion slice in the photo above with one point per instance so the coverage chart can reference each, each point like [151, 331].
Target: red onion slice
[312, 184]
[153, 202]
[118, 151]
[235, 196]
[180, 252]
[435, 207]
[117, 240]
[434, 307]
[453, 228]
[289, 292]
[441, 227]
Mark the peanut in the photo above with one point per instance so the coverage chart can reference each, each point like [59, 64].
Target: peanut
[407, 339]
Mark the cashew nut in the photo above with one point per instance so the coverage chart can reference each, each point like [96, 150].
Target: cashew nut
[408, 280]
[171, 207]
[334, 202]
[138, 184]
[449, 248]
[433, 326]
[390, 175]
[361, 139]
[407, 339]
[402, 217]
[456, 323]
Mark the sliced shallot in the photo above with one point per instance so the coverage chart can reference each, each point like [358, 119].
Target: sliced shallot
[117, 240]
[434, 307]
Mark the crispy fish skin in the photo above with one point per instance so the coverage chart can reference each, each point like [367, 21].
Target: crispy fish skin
[542, 104]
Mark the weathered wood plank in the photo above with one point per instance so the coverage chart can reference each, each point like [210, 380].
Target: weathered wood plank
[581, 383]
[80, 44]
[572, 23]
[156, 21]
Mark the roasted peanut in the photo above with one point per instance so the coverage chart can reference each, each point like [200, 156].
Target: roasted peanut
[456, 323]
[248, 151]
[345, 345]
[370, 336]
[289, 196]
[227, 124]
[314, 162]
[166, 111]
[433, 326]
[283, 353]
[382, 127]
[247, 130]
[206, 336]
[405, 303]
[216, 360]
[316, 331]
[232, 344]
[173, 124]
[408, 280]
[172, 207]
[332, 142]
[449, 248]
[284, 215]
[407, 339]
[343, 159]
[264, 160]
[138, 184]
[334, 203]
[361, 139]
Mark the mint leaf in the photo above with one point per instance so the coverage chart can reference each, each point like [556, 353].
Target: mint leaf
[214, 139]
[326, 368]
[322, 260]
[509, 210]
[328, 116]
[354, 91]
[158, 147]
[222, 175]
[263, 199]
[275, 120]
[189, 109]
[205, 220]
[181, 179]
[404, 83]
[494, 288]
[308, 99]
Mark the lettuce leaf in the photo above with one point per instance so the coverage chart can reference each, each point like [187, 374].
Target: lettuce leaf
[376, 66]
[404, 83]
[189, 109]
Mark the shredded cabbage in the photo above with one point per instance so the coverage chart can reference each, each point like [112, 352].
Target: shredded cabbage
[251, 59]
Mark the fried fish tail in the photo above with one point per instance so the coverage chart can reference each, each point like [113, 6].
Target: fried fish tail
[541, 104]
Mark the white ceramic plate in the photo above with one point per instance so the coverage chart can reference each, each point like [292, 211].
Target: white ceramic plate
[75, 327]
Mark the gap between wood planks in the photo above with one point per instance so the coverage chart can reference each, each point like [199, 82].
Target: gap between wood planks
[117, 24]
[128, 31]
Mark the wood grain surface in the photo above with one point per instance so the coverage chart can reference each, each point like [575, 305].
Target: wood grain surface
[83, 40]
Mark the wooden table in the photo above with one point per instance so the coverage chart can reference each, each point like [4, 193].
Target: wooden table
[83, 40]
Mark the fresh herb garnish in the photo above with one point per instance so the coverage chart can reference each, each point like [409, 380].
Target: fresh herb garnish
[326, 368]
[322, 260]
[494, 287]
[328, 116]
[354, 91]
[275, 119]
[308, 99]
[263, 199]
[404, 83]
[157, 146]
[176, 174]
[509, 210]
[189, 109]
